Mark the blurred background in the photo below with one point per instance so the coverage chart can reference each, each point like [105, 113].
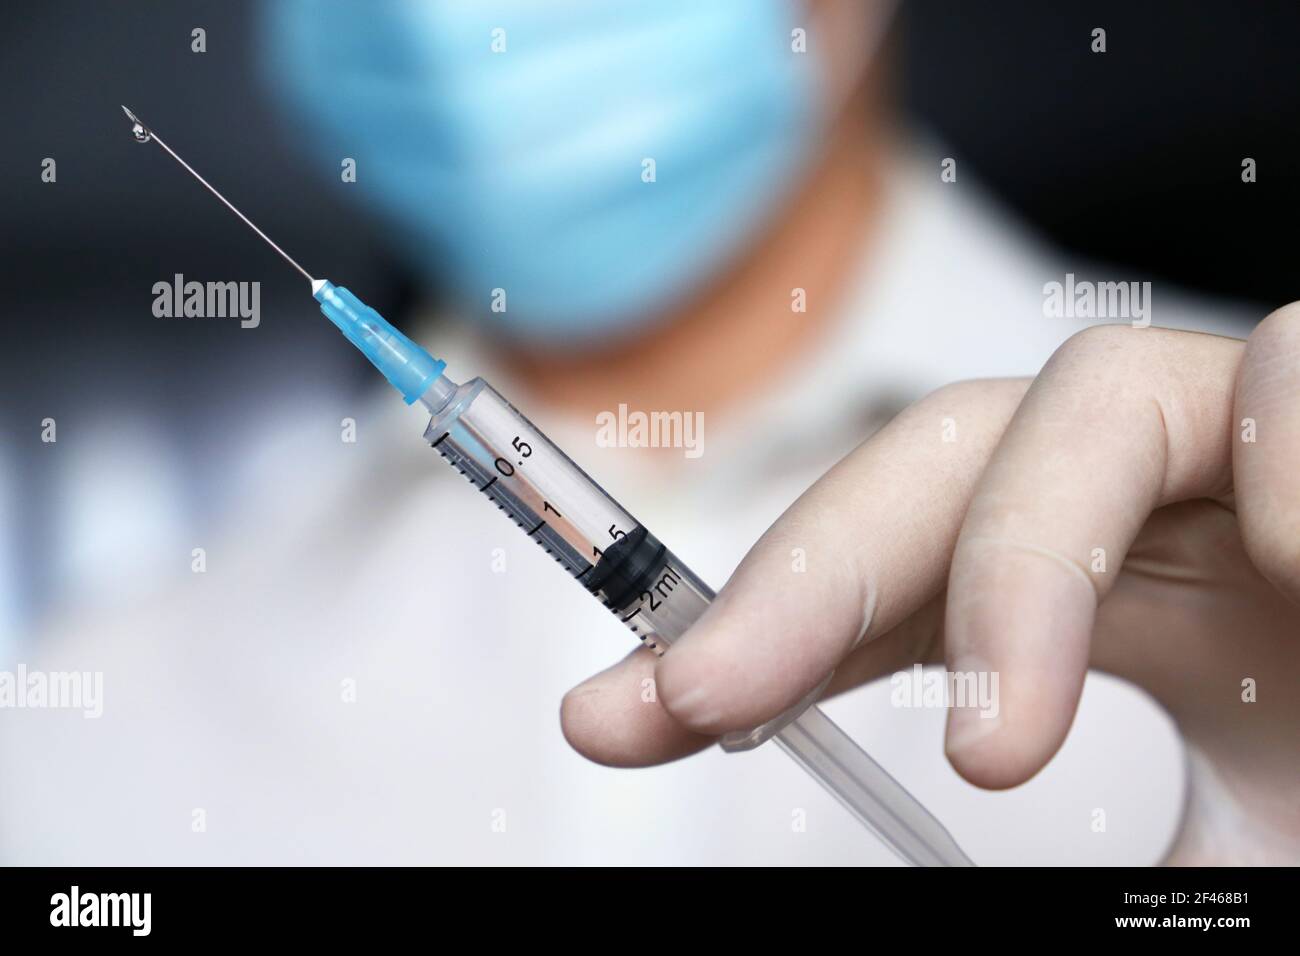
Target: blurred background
[1132, 158]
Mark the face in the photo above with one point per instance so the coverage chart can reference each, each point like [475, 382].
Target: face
[573, 172]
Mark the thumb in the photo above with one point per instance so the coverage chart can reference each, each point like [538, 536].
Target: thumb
[774, 632]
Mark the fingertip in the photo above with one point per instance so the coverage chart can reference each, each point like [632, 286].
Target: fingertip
[1004, 740]
[993, 756]
[1019, 627]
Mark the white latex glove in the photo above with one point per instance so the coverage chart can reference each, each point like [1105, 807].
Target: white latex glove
[981, 551]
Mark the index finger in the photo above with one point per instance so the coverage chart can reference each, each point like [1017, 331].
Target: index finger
[1120, 422]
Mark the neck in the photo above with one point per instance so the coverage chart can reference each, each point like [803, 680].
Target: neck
[741, 330]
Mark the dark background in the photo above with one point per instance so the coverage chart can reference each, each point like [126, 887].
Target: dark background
[1133, 157]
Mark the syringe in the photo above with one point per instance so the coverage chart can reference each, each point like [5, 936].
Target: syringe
[605, 549]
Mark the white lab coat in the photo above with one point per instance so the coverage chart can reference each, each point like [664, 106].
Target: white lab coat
[226, 736]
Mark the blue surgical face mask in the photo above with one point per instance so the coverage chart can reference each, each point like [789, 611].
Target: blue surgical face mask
[571, 169]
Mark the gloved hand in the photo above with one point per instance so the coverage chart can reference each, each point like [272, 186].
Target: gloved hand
[1170, 459]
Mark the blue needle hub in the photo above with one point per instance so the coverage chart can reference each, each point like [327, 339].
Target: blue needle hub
[409, 368]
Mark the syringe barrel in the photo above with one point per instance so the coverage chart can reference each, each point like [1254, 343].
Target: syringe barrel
[570, 516]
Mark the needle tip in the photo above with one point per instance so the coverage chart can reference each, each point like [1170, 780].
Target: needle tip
[144, 134]
[138, 129]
